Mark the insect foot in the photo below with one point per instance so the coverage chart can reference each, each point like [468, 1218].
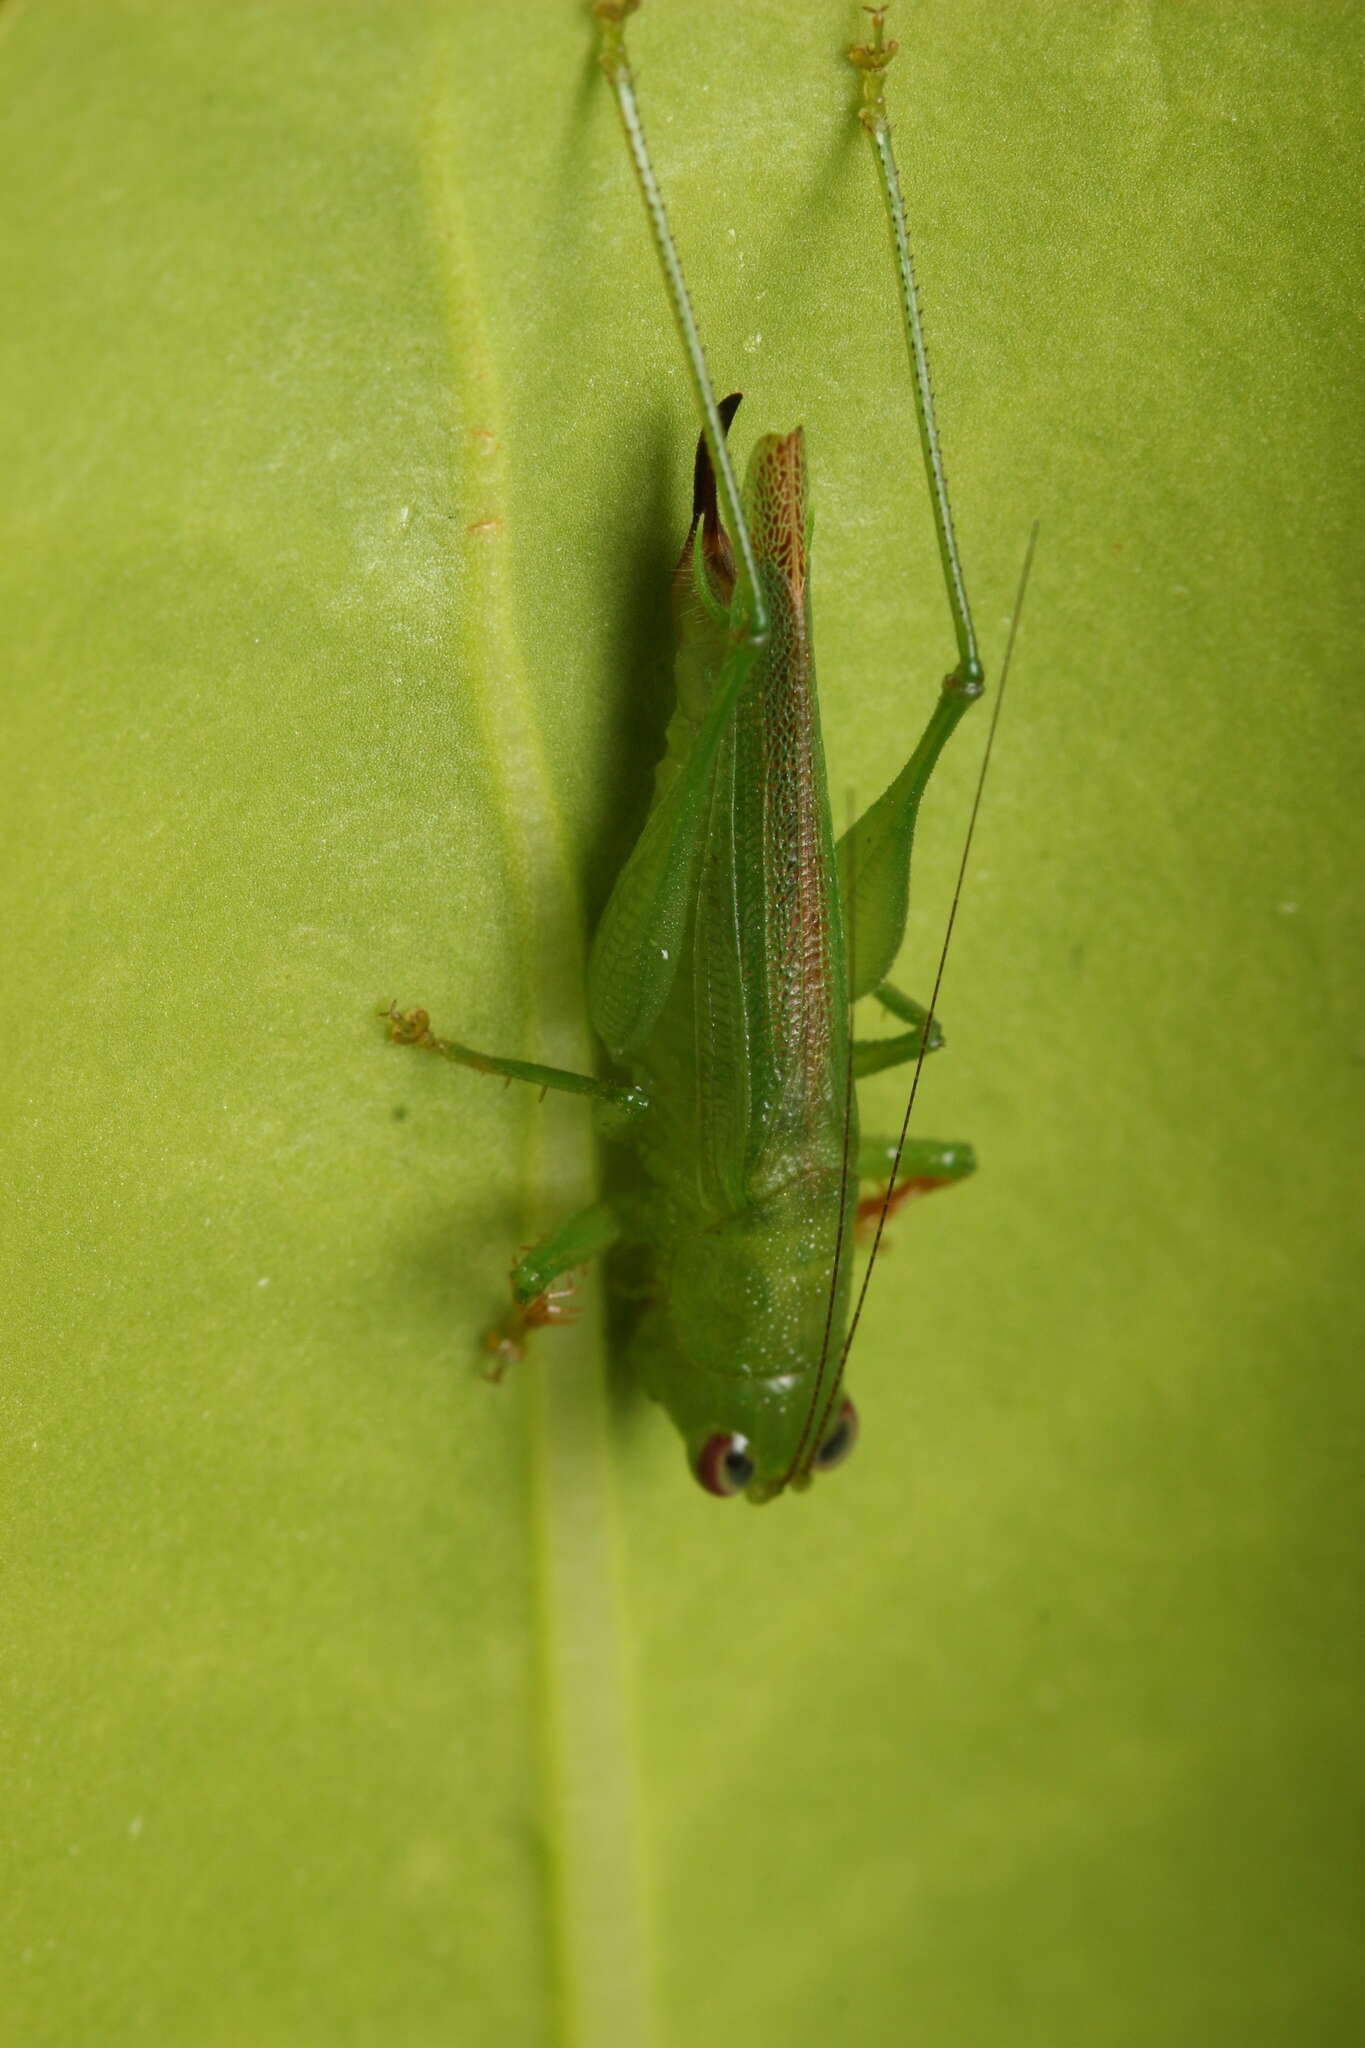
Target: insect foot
[505, 1343]
[407, 1027]
[876, 55]
[871, 1206]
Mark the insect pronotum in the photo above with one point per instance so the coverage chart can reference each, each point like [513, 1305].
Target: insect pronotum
[736, 941]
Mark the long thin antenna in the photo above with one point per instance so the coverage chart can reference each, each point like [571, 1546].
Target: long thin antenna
[942, 958]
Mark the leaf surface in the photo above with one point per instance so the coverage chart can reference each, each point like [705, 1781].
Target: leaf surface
[344, 451]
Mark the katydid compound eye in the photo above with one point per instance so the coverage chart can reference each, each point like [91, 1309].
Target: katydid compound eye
[840, 1440]
[725, 1466]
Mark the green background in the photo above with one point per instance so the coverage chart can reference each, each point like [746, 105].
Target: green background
[345, 450]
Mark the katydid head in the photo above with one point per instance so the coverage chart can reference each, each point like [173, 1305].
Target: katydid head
[728, 1463]
[743, 1347]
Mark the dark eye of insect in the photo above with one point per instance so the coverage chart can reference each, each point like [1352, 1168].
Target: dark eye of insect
[725, 1467]
[840, 1440]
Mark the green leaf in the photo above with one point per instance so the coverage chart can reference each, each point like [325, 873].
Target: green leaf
[344, 452]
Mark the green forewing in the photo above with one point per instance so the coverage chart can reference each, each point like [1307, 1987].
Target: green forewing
[639, 940]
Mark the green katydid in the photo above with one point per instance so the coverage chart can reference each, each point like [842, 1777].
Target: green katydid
[734, 944]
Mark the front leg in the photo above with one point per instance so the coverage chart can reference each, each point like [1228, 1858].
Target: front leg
[874, 1055]
[536, 1301]
[413, 1027]
[926, 1164]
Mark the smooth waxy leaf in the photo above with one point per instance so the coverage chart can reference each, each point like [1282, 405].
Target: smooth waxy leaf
[345, 452]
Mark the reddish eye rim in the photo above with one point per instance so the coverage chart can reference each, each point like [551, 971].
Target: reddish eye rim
[724, 1466]
[843, 1437]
